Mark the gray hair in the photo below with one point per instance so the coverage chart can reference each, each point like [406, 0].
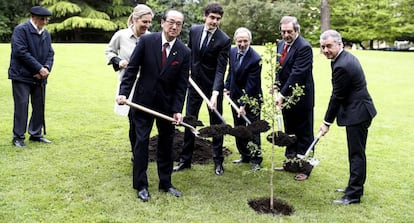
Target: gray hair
[331, 33]
[139, 11]
[290, 19]
[242, 30]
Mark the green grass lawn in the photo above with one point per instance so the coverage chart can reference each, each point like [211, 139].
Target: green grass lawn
[85, 174]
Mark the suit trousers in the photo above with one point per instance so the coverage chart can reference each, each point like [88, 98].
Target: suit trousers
[143, 125]
[299, 123]
[241, 143]
[194, 102]
[357, 139]
[21, 93]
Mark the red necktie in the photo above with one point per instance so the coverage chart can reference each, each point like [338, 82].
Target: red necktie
[164, 53]
[284, 53]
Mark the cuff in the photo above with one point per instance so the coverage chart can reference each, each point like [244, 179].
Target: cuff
[327, 123]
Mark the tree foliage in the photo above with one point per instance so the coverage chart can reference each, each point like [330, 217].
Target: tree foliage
[359, 21]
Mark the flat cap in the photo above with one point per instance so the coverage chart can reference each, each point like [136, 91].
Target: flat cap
[40, 11]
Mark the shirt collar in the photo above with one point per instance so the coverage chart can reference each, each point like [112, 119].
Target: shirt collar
[164, 40]
[37, 29]
[244, 51]
[211, 31]
[337, 55]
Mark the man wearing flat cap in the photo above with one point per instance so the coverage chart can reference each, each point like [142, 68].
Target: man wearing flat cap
[30, 64]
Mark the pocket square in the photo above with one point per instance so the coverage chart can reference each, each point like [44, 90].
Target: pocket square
[174, 63]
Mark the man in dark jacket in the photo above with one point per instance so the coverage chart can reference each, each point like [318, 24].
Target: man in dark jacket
[30, 64]
[244, 79]
[295, 57]
[163, 62]
[210, 48]
[352, 106]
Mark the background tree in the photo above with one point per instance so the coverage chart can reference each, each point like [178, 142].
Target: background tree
[360, 21]
[367, 21]
[325, 15]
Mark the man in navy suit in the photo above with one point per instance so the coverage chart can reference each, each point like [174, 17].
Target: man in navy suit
[209, 57]
[295, 57]
[244, 79]
[31, 62]
[352, 106]
[161, 88]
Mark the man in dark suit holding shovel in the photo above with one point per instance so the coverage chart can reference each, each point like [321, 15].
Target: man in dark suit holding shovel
[352, 106]
[163, 62]
[210, 48]
[244, 79]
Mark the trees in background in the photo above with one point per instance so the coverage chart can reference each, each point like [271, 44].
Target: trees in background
[359, 21]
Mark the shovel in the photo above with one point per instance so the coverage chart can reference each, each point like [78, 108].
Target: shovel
[311, 160]
[237, 109]
[160, 115]
[200, 92]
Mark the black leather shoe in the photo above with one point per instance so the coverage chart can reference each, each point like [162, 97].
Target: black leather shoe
[40, 139]
[172, 191]
[218, 169]
[181, 166]
[18, 142]
[143, 195]
[346, 200]
[255, 166]
[240, 161]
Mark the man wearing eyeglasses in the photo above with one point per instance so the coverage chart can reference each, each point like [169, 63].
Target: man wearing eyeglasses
[163, 62]
[30, 64]
[295, 58]
[210, 48]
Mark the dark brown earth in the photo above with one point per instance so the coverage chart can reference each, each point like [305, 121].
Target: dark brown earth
[203, 154]
[202, 149]
[262, 206]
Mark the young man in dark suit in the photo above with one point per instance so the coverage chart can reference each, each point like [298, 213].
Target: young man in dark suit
[161, 86]
[352, 106]
[244, 79]
[296, 58]
[210, 48]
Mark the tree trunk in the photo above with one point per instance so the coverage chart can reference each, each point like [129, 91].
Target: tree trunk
[325, 15]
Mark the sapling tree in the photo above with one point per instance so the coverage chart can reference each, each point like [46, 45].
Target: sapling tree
[269, 109]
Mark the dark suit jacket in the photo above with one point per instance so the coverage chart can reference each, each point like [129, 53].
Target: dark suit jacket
[157, 88]
[246, 77]
[350, 101]
[30, 52]
[297, 68]
[208, 70]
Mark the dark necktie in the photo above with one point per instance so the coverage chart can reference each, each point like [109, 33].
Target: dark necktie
[205, 41]
[239, 56]
[238, 59]
[164, 53]
[284, 53]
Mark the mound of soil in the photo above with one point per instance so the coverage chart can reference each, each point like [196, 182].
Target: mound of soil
[203, 149]
[262, 206]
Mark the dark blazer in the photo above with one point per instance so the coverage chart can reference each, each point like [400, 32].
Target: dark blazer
[350, 101]
[157, 88]
[208, 70]
[297, 68]
[246, 77]
[30, 52]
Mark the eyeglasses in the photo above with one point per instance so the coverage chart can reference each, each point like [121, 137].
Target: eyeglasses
[172, 22]
[286, 31]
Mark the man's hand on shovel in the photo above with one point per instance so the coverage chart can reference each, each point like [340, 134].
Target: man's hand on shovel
[213, 100]
[121, 99]
[178, 118]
